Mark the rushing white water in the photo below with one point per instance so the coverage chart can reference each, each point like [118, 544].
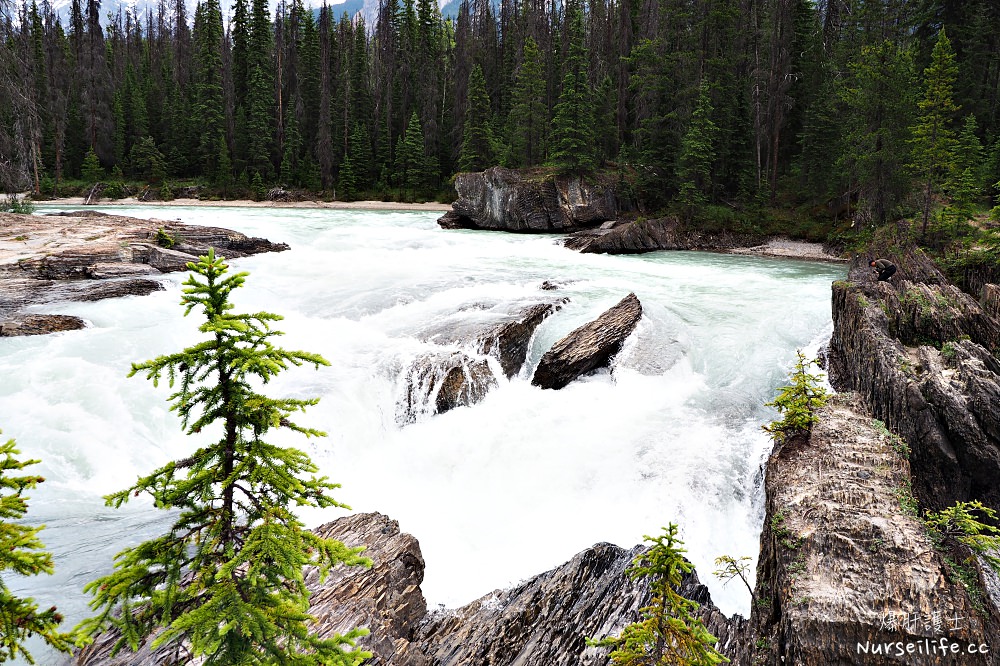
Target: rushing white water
[496, 492]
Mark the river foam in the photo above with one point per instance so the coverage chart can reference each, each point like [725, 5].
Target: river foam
[496, 492]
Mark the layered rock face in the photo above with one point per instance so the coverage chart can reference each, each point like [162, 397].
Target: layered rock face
[642, 235]
[90, 255]
[844, 569]
[589, 347]
[526, 201]
[541, 622]
[919, 353]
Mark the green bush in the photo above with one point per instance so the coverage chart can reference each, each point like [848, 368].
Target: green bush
[15, 204]
[798, 402]
[959, 525]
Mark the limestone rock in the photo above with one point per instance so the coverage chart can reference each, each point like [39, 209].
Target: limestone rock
[385, 598]
[509, 340]
[642, 235]
[840, 560]
[991, 300]
[39, 324]
[117, 289]
[438, 382]
[529, 201]
[937, 400]
[502, 330]
[544, 621]
[52, 258]
[540, 622]
[589, 347]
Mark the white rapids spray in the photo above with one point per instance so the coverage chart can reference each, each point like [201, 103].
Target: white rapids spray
[496, 492]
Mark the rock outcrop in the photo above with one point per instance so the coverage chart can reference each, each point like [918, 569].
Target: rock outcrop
[844, 565]
[439, 382]
[589, 347]
[530, 201]
[541, 622]
[32, 324]
[642, 235]
[918, 351]
[89, 255]
[503, 331]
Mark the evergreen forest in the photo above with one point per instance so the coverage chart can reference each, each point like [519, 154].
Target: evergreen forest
[851, 109]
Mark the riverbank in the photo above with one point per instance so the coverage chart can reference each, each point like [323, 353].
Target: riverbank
[335, 205]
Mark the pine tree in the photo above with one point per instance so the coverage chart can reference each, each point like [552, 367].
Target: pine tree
[91, 169]
[478, 145]
[877, 97]
[227, 579]
[208, 104]
[933, 137]
[528, 122]
[21, 552]
[694, 164]
[411, 164]
[669, 632]
[572, 138]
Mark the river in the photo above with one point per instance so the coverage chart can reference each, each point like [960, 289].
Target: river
[495, 492]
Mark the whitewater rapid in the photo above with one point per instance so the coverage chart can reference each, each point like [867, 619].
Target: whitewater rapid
[495, 492]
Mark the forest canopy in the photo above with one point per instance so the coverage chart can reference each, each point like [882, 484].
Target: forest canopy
[728, 102]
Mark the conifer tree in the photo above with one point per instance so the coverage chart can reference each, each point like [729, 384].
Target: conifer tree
[478, 145]
[694, 164]
[21, 552]
[411, 164]
[572, 138]
[528, 122]
[669, 632]
[933, 137]
[208, 104]
[226, 581]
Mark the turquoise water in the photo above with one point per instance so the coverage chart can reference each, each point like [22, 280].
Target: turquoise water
[495, 492]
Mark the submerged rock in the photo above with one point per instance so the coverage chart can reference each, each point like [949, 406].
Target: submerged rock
[439, 382]
[39, 324]
[842, 564]
[589, 347]
[530, 201]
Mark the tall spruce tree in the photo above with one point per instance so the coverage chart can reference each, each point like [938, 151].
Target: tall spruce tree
[933, 136]
[21, 552]
[208, 103]
[877, 97]
[226, 581]
[528, 122]
[478, 145]
[572, 137]
[694, 164]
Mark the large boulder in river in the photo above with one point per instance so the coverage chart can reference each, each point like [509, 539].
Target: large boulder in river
[439, 382]
[503, 330]
[649, 235]
[531, 201]
[39, 324]
[589, 347]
